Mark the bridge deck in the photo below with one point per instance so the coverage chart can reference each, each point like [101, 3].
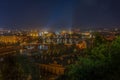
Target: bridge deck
[52, 68]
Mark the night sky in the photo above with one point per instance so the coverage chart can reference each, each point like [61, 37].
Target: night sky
[56, 14]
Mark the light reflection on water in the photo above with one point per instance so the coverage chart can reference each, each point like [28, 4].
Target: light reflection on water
[24, 57]
[43, 47]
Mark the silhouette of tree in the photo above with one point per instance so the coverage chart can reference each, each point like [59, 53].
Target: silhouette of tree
[10, 70]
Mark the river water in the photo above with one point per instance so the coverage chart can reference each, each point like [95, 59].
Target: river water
[24, 60]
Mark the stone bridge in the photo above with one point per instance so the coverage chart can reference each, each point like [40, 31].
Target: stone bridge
[52, 68]
[8, 50]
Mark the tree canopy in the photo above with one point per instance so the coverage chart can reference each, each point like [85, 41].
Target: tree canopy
[101, 63]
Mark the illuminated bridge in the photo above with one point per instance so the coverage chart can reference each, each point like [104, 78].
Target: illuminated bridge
[52, 68]
[8, 50]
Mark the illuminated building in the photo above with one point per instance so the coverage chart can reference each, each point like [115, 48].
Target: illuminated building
[8, 39]
[33, 34]
[82, 45]
[86, 35]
